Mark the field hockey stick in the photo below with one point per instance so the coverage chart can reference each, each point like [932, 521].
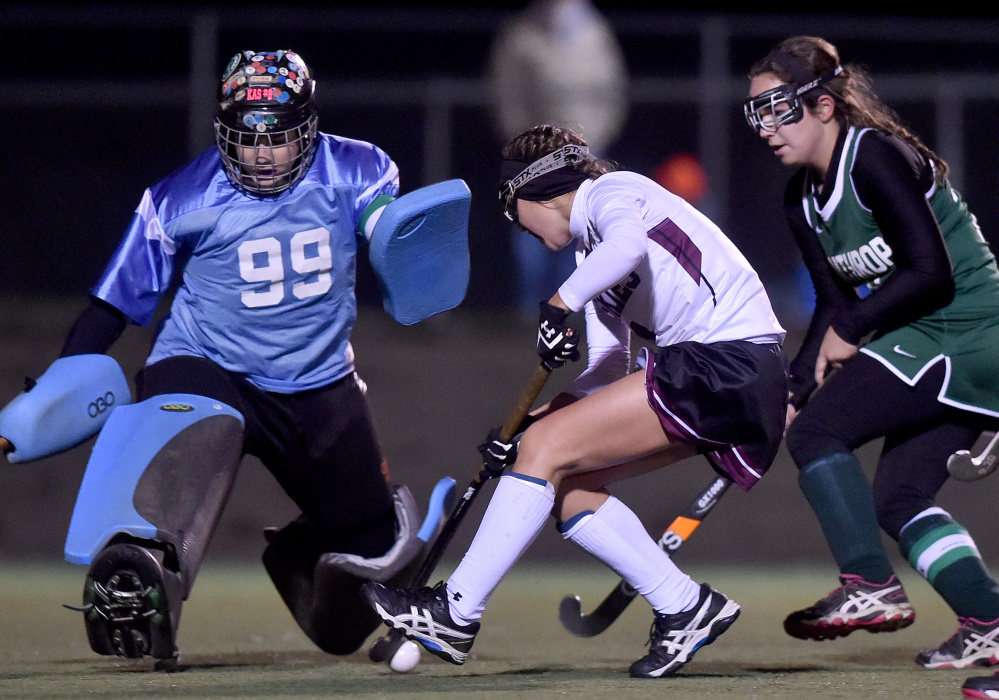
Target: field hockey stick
[979, 461]
[570, 611]
[384, 648]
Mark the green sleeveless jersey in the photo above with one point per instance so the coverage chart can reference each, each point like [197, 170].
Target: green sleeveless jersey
[965, 333]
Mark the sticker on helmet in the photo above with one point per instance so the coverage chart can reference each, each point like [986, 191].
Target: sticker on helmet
[261, 94]
[233, 65]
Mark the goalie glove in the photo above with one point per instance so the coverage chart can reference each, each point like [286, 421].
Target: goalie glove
[557, 344]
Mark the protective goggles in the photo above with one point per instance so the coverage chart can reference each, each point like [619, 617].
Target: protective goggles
[782, 105]
[567, 155]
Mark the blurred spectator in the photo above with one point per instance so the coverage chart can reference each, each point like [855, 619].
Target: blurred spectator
[556, 62]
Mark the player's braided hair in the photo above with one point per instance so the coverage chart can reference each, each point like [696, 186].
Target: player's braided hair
[539, 141]
[856, 102]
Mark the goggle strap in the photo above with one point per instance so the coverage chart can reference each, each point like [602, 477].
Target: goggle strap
[819, 82]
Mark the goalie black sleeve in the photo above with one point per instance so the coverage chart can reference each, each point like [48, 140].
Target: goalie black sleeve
[95, 329]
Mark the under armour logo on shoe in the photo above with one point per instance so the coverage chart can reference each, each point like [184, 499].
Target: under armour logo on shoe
[456, 596]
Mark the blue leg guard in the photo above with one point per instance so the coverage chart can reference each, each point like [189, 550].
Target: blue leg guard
[159, 476]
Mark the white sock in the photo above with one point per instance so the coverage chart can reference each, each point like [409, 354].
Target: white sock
[616, 536]
[518, 510]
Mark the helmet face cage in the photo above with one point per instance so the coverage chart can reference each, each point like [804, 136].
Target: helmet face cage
[266, 126]
[266, 163]
[772, 109]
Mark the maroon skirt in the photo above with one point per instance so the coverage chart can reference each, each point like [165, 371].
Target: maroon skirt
[728, 399]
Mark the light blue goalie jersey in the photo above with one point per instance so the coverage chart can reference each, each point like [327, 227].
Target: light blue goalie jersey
[268, 285]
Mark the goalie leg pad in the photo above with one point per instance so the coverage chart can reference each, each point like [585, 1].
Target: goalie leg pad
[338, 625]
[322, 590]
[64, 407]
[419, 251]
[161, 470]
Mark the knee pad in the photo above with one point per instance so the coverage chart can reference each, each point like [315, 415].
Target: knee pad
[160, 473]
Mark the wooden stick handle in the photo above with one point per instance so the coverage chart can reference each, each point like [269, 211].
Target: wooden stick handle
[5, 446]
[526, 401]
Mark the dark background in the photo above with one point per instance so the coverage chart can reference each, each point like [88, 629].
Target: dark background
[97, 105]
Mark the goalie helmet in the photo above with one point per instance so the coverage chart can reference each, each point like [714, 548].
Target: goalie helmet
[266, 125]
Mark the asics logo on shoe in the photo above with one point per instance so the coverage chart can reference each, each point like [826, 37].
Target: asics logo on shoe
[858, 601]
[976, 643]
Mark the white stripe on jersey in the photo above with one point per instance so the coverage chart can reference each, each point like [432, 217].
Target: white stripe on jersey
[391, 175]
[153, 229]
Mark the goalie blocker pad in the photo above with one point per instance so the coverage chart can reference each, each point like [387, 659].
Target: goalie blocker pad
[419, 251]
[64, 407]
[161, 470]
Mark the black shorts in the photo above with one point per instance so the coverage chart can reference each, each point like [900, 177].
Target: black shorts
[319, 444]
[727, 399]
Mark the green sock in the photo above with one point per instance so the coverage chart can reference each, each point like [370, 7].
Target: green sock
[946, 556]
[840, 494]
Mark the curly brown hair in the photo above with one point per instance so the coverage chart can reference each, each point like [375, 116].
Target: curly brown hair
[856, 102]
[539, 141]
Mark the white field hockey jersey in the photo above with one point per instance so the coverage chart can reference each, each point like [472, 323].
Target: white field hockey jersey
[651, 263]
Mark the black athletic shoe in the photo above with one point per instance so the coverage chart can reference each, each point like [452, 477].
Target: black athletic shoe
[127, 598]
[856, 605]
[674, 638]
[422, 614]
[981, 687]
[975, 643]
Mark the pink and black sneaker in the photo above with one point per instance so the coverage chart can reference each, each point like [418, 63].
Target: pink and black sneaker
[856, 605]
[975, 643]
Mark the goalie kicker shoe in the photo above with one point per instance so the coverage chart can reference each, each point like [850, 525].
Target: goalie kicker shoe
[422, 614]
[974, 644]
[673, 639]
[981, 687]
[856, 605]
[127, 598]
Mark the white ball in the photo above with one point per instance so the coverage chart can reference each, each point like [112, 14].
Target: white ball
[405, 658]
